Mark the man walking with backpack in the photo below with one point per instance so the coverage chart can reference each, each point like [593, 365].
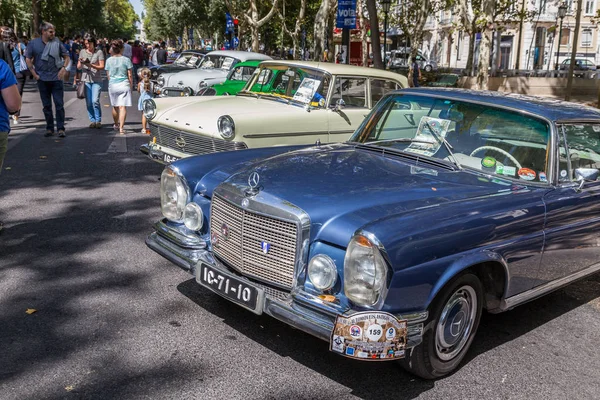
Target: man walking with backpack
[48, 61]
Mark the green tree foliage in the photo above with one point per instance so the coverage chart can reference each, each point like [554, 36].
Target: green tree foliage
[110, 18]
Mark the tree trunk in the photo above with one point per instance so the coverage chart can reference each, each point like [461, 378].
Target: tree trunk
[363, 34]
[574, 52]
[36, 9]
[320, 31]
[375, 44]
[471, 55]
[255, 41]
[484, 61]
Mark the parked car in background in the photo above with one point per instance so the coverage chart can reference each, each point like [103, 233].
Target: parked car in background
[213, 69]
[444, 203]
[188, 59]
[581, 64]
[444, 80]
[400, 59]
[285, 102]
[236, 80]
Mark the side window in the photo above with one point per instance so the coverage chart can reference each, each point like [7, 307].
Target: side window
[264, 76]
[379, 88]
[352, 91]
[582, 150]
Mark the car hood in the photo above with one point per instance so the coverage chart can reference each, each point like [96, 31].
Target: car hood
[342, 188]
[205, 111]
[191, 78]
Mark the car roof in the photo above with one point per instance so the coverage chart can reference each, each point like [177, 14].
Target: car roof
[249, 63]
[240, 55]
[549, 108]
[341, 69]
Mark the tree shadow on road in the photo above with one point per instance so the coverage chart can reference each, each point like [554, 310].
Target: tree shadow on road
[375, 380]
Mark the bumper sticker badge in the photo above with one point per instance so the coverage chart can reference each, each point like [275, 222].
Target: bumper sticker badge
[371, 336]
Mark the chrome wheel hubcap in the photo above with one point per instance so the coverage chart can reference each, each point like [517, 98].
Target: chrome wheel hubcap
[456, 323]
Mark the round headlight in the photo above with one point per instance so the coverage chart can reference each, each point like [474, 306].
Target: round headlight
[365, 272]
[165, 92]
[226, 127]
[187, 91]
[174, 194]
[149, 108]
[193, 217]
[154, 73]
[322, 272]
[160, 81]
[202, 84]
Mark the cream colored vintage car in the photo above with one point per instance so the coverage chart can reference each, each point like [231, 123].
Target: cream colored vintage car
[284, 103]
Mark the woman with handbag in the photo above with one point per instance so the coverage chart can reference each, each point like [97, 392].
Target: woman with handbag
[91, 62]
[21, 70]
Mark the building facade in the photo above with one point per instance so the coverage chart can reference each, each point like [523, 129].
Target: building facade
[543, 46]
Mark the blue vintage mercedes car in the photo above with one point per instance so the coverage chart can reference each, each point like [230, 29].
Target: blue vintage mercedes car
[443, 204]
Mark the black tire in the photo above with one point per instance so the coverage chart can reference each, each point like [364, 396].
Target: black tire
[428, 360]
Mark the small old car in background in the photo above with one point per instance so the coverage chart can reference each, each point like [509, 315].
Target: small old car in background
[444, 203]
[213, 69]
[285, 102]
[188, 59]
[236, 80]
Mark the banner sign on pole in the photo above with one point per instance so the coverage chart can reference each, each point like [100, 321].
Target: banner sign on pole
[346, 14]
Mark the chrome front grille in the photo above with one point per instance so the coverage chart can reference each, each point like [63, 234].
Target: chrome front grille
[240, 235]
[194, 143]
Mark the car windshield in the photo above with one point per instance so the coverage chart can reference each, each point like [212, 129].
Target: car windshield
[241, 73]
[219, 62]
[293, 84]
[189, 59]
[482, 137]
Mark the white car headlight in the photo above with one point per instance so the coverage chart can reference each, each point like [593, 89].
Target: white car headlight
[174, 195]
[193, 217]
[226, 127]
[160, 81]
[365, 272]
[149, 107]
[322, 272]
[202, 84]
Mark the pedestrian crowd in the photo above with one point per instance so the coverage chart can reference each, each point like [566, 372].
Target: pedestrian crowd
[83, 62]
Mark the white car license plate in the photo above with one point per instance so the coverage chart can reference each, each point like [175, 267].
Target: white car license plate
[169, 159]
[231, 288]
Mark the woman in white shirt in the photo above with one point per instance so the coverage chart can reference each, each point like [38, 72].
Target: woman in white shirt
[120, 81]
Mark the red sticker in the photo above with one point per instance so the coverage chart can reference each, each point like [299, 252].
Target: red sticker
[526, 174]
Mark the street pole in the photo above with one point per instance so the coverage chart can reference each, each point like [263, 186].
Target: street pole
[518, 63]
[559, 42]
[385, 4]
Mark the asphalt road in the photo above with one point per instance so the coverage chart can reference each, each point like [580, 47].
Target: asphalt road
[114, 320]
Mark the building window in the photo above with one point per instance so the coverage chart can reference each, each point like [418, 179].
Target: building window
[590, 7]
[459, 44]
[542, 6]
[566, 37]
[570, 6]
[586, 38]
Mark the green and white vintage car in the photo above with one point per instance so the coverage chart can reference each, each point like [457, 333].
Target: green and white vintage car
[284, 103]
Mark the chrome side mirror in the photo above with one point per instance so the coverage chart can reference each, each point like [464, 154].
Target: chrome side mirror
[583, 175]
[339, 105]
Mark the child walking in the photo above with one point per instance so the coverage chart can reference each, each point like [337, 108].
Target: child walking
[144, 87]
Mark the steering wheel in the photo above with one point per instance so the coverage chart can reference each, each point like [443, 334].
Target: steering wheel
[504, 152]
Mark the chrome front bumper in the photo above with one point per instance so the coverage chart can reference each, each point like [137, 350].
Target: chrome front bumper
[154, 154]
[299, 309]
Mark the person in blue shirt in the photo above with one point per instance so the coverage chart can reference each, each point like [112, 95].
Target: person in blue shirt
[10, 102]
[48, 61]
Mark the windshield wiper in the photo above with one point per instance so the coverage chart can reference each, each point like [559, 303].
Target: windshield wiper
[246, 92]
[398, 140]
[445, 142]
